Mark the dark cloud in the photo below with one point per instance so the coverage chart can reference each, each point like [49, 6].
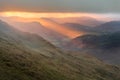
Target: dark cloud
[91, 6]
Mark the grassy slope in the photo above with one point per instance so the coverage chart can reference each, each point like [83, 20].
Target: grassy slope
[18, 62]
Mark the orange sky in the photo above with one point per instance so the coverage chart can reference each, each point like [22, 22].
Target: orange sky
[47, 15]
[33, 15]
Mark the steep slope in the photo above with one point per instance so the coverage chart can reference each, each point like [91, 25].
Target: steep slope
[31, 41]
[36, 28]
[19, 60]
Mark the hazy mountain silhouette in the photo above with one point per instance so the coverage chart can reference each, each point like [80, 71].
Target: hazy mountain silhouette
[80, 28]
[113, 26]
[86, 21]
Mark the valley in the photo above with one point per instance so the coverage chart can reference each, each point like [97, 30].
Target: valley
[29, 53]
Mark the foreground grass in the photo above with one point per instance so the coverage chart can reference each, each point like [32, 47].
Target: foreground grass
[20, 63]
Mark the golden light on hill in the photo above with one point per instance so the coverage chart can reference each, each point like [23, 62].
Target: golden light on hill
[60, 28]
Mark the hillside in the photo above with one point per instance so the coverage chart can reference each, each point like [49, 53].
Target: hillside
[36, 28]
[104, 41]
[26, 56]
[105, 46]
[82, 28]
[112, 26]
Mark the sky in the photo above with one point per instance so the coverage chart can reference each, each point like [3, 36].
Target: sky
[101, 9]
[82, 6]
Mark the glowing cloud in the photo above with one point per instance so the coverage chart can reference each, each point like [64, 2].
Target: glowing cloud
[47, 15]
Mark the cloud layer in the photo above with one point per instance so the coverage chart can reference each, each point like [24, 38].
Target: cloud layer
[89, 6]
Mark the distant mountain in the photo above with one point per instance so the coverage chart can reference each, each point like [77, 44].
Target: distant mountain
[15, 36]
[25, 56]
[106, 46]
[36, 28]
[109, 41]
[79, 28]
[86, 21]
[108, 27]
[113, 26]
